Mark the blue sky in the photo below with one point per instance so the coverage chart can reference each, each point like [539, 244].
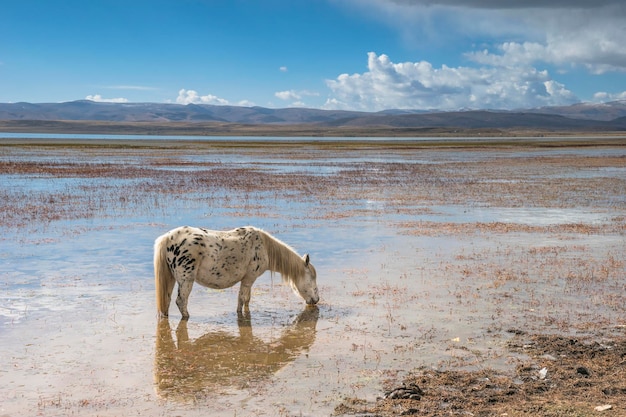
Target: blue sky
[335, 54]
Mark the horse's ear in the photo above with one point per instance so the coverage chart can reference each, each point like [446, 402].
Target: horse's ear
[306, 260]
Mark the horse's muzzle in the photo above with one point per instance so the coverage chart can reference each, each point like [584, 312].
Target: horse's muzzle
[312, 301]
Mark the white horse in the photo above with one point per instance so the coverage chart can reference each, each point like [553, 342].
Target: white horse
[217, 259]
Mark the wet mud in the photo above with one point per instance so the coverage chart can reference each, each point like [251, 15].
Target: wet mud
[559, 376]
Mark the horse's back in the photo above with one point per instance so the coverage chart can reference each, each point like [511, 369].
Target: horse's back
[236, 243]
[186, 231]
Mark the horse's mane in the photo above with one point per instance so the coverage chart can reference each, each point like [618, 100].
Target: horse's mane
[282, 258]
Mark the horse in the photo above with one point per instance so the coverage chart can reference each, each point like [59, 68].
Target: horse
[220, 259]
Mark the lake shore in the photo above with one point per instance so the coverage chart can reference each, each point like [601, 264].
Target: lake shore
[279, 130]
[343, 143]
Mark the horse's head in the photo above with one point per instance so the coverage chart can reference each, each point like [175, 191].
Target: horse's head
[306, 285]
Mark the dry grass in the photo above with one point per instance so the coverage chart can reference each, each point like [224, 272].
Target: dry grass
[397, 187]
[580, 374]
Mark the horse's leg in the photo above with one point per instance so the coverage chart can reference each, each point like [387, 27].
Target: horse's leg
[184, 289]
[245, 288]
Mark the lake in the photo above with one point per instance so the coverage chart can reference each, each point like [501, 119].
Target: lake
[427, 256]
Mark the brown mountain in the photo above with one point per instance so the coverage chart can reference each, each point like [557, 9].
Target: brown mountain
[603, 117]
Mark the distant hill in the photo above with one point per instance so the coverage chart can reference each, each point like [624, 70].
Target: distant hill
[163, 112]
[590, 117]
[589, 111]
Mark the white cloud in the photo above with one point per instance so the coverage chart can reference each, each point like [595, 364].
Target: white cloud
[246, 103]
[283, 69]
[287, 95]
[603, 97]
[419, 85]
[591, 40]
[566, 33]
[593, 46]
[518, 39]
[192, 97]
[98, 98]
[511, 53]
[295, 96]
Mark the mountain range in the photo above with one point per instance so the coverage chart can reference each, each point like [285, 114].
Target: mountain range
[584, 116]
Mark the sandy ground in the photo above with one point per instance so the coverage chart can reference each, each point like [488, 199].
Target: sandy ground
[461, 279]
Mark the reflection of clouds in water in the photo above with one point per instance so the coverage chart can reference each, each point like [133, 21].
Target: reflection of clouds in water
[544, 216]
[186, 370]
[51, 295]
[19, 306]
[14, 313]
[531, 216]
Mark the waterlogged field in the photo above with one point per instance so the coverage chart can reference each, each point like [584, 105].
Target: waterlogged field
[429, 256]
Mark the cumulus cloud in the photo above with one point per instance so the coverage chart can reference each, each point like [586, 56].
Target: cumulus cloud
[565, 33]
[98, 98]
[520, 42]
[192, 97]
[419, 85]
[296, 97]
[246, 103]
[603, 96]
[287, 95]
[595, 45]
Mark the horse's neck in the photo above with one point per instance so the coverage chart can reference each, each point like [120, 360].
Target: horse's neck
[281, 258]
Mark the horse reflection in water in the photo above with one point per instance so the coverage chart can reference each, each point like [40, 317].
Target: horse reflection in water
[187, 370]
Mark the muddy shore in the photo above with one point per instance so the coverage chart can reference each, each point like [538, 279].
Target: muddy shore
[480, 263]
[155, 128]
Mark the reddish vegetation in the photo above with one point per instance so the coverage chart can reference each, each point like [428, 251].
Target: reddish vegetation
[582, 372]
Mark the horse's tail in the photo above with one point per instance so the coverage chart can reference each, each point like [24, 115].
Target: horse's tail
[163, 278]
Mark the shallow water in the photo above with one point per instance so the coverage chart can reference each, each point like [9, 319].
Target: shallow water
[404, 282]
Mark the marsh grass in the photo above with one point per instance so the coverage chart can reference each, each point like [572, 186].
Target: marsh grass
[563, 276]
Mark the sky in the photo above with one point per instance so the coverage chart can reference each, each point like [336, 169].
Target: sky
[368, 55]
